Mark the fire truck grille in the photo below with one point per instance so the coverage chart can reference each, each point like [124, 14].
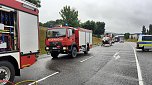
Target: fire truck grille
[53, 44]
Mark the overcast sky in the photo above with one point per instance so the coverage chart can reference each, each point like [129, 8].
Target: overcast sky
[120, 16]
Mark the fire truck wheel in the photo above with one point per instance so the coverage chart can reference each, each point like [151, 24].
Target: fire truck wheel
[86, 52]
[54, 55]
[7, 72]
[74, 52]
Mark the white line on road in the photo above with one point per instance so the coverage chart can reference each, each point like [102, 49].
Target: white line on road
[116, 55]
[140, 79]
[43, 78]
[86, 59]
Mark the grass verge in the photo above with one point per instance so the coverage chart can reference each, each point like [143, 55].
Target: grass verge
[42, 40]
[132, 40]
[96, 41]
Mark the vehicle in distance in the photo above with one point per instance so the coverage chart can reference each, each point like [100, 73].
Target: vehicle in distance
[19, 41]
[144, 42]
[107, 39]
[119, 38]
[67, 40]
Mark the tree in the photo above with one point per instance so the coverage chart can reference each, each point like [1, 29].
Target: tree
[36, 2]
[91, 25]
[144, 30]
[59, 22]
[52, 23]
[49, 24]
[100, 28]
[40, 23]
[150, 29]
[126, 35]
[69, 16]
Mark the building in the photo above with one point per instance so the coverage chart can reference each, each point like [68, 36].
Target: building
[134, 36]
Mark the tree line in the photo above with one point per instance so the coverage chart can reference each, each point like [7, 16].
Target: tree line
[98, 27]
[147, 31]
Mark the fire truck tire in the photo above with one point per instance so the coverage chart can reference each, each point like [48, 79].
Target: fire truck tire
[73, 52]
[86, 52]
[54, 55]
[7, 72]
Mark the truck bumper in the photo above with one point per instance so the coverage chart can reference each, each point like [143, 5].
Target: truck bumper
[63, 50]
[105, 42]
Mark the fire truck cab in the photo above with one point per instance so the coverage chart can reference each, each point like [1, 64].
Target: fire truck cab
[19, 41]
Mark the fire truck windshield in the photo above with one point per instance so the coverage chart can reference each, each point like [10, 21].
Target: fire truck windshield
[53, 33]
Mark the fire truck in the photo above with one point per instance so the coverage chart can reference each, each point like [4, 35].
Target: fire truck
[68, 40]
[107, 39]
[19, 39]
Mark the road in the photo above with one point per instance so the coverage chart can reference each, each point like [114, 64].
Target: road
[115, 65]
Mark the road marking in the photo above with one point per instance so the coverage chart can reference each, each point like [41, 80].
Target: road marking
[43, 78]
[86, 59]
[116, 55]
[140, 79]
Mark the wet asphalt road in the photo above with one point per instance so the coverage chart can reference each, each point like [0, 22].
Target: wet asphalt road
[113, 65]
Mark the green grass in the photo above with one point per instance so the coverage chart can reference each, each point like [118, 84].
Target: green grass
[96, 40]
[132, 40]
[42, 40]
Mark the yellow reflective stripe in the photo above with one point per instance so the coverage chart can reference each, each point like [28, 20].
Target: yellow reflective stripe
[143, 45]
[27, 81]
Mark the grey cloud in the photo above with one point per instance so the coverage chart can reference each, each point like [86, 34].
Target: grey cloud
[119, 15]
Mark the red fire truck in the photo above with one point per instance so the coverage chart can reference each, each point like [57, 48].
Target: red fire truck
[19, 44]
[68, 40]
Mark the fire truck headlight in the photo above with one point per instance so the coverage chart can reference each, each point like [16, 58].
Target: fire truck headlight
[47, 48]
[64, 48]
